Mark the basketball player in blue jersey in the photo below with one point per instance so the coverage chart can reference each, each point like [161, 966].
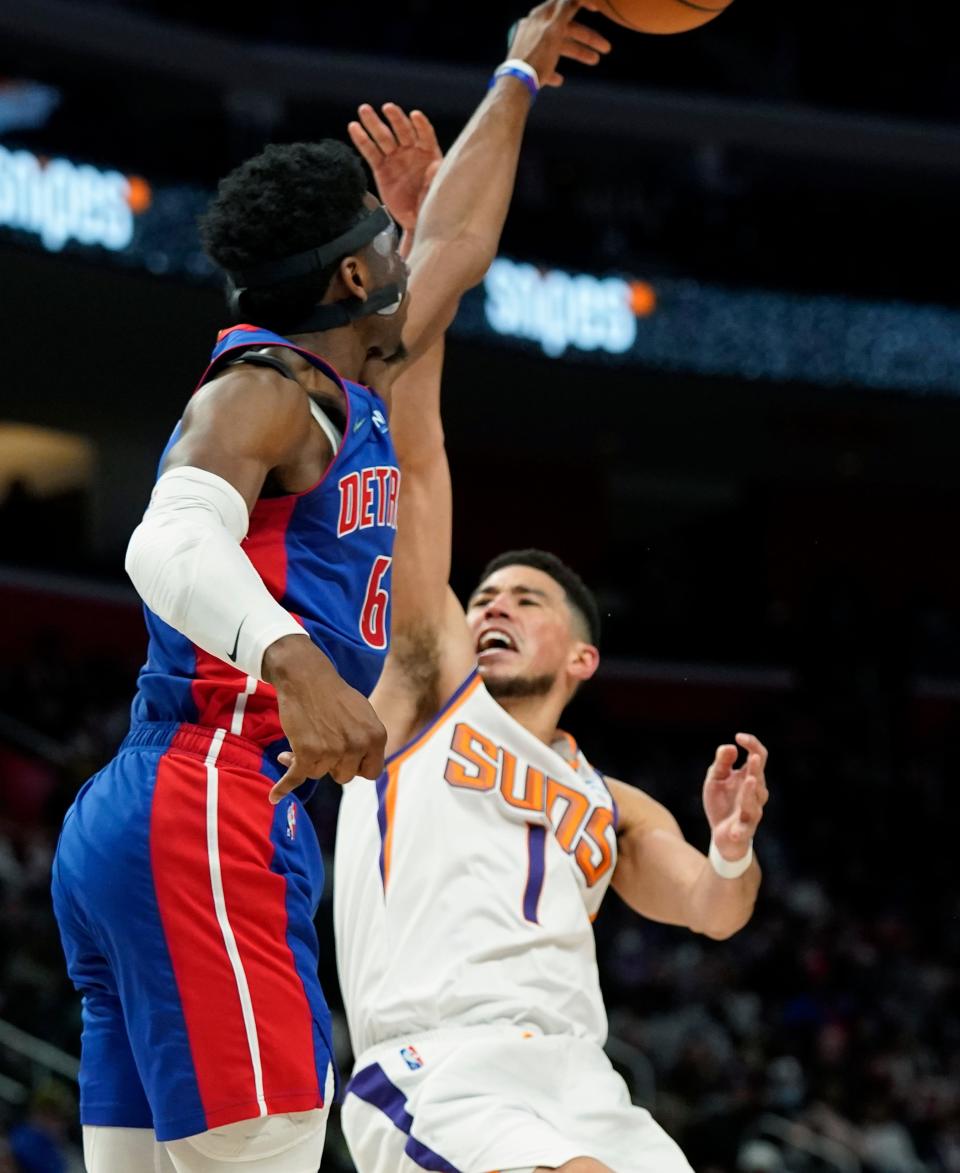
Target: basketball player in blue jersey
[467, 876]
[185, 899]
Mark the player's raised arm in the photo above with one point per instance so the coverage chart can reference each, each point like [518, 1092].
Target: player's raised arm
[430, 651]
[664, 878]
[460, 225]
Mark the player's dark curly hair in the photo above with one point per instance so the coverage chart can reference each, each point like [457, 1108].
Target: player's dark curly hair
[281, 202]
[579, 595]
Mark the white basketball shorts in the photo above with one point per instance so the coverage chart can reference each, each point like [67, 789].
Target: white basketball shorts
[498, 1098]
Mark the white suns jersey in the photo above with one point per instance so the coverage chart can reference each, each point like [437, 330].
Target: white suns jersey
[467, 877]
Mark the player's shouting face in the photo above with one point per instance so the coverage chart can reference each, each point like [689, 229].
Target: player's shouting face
[529, 641]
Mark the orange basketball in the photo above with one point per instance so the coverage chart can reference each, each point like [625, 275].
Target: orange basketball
[663, 16]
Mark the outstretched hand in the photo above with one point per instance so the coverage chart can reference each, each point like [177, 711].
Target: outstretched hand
[402, 152]
[733, 799]
[550, 32]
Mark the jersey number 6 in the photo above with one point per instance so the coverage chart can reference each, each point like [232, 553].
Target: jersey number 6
[373, 617]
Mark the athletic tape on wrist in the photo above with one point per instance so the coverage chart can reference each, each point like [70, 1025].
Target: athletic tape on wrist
[730, 869]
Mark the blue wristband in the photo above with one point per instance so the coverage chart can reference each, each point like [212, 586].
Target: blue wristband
[512, 71]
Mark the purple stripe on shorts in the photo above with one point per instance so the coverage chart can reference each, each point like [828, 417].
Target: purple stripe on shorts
[427, 1158]
[536, 848]
[373, 1087]
[382, 783]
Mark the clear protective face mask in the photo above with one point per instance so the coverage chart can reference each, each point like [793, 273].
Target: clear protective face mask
[385, 244]
[387, 240]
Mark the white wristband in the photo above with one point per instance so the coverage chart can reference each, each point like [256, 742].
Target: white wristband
[730, 869]
[523, 66]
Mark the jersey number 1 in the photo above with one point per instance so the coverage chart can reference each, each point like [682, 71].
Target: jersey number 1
[373, 617]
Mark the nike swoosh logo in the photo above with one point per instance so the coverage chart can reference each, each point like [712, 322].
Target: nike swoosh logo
[359, 424]
[232, 656]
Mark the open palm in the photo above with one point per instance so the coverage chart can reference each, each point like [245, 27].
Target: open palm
[403, 154]
[733, 799]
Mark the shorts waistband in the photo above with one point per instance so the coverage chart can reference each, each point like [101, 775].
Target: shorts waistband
[198, 740]
[447, 1034]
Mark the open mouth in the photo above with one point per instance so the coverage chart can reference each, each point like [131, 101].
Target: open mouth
[494, 642]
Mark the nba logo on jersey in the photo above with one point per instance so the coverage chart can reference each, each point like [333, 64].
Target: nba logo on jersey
[411, 1056]
[292, 821]
[380, 422]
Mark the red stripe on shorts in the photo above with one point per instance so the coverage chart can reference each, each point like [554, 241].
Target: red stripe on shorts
[254, 903]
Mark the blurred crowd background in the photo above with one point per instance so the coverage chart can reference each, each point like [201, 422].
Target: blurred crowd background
[759, 480]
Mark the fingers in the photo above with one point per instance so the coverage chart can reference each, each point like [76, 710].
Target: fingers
[423, 128]
[376, 128]
[589, 38]
[372, 765]
[551, 31]
[400, 124]
[748, 813]
[585, 45]
[365, 762]
[722, 766]
[753, 770]
[752, 745]
[350, 766]
[574, 51]
[431, 174]
[293, 778]
[376, 138]
[346, 769]
[371, 153]
[361, 763]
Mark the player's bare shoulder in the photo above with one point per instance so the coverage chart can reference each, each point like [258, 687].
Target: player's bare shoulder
[258, 413]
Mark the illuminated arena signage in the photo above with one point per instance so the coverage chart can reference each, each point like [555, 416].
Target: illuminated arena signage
[559, 310]
[669, 324]
[684, 325]
[60, 201]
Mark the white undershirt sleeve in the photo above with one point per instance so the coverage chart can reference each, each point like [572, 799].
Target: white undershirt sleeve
[186, 562]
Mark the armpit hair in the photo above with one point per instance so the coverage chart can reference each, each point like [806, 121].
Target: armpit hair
[416, 653]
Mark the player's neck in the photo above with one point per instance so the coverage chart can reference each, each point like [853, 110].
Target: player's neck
[539, 715]
[344, 348]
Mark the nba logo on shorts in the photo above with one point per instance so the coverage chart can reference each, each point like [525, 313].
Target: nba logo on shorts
[292, 821]
[411, 1056]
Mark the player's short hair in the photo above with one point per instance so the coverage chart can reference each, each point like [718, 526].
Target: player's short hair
[284, 201]
[579, 596]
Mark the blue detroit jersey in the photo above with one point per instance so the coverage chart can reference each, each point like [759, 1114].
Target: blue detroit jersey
[324, 555]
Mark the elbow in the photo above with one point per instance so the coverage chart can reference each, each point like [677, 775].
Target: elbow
[133, 559]
[723, 933]
[722, 928]
[141, 560]
[160, 563]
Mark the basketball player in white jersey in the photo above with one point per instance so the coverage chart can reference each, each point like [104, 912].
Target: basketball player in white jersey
[468, 875]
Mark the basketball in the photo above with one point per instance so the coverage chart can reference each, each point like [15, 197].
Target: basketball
[663, 16]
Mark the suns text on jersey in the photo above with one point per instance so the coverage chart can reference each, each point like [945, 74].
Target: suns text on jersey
[584, 830]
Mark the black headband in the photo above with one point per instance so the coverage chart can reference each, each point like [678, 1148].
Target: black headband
[314, 259]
